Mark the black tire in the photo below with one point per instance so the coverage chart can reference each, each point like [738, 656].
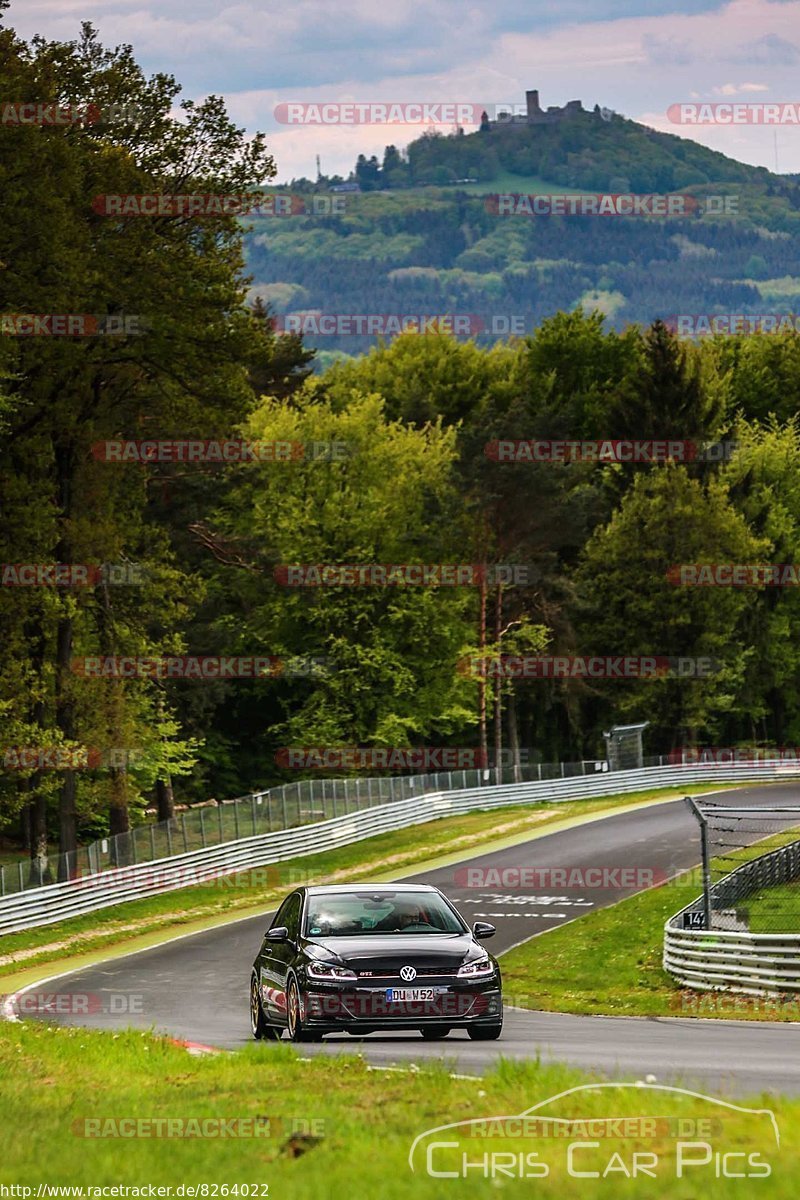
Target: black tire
[432, 1033]
[485, 1033]
[259, 1028]
[294, 1016]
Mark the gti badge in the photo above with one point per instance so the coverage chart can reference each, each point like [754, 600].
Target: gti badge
[408, 973]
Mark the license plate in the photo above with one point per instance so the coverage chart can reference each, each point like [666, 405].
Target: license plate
[411, 994]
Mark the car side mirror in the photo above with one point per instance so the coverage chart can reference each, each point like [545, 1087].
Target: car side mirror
[482, 929]
[277, 934]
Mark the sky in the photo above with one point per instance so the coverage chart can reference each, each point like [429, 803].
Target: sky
[637, 57]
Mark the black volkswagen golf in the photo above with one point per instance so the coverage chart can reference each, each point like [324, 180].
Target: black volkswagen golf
[360, 958]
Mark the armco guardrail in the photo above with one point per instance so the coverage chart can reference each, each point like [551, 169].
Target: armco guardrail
[305, 802]
[737, 960]
[56, 902]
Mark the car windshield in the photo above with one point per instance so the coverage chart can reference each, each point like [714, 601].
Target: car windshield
[333, 914]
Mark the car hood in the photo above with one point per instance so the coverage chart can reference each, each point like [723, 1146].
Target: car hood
[392, 950]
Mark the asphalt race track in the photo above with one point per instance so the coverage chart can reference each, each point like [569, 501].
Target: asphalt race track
[196, 987]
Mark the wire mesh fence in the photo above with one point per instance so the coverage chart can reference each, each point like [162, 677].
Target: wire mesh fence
[284, 807]
[751, 868]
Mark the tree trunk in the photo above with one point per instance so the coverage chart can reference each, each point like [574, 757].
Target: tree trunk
[36, 808]
[165, 799]
[484, 741]
[65, 707]
[498, 691]
[25, 815]
[513, 734]
[40, 863]
[65, 719]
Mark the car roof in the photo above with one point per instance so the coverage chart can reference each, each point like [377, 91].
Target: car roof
[372, 888]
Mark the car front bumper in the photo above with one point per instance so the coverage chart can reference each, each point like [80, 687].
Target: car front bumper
[457, 1005]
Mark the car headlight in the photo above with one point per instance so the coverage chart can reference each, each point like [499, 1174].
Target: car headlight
[477, 968]
[320, 970]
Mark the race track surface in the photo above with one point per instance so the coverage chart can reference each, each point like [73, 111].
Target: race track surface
[196, 987]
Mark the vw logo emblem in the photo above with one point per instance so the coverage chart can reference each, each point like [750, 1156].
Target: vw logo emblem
[408, 973]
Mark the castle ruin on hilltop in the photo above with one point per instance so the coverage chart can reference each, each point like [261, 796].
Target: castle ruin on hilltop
[536, 115]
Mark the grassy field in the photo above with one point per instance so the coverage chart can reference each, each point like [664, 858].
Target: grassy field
[88, 1109]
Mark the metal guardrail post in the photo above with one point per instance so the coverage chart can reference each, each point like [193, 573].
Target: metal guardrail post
[21, 877]
[183, 830]
[133, 844]
[2, 881]
[253, 810]
[169, 838]
[235, 817]
[202, 826]
[152, 843]
[219, 823]
[705, 859]
[285, 818]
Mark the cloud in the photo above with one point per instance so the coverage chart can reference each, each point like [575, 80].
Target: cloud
[635, 56]
[736, 89]
[768, 51]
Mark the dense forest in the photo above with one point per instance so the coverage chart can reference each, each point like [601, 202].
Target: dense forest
[152, 555]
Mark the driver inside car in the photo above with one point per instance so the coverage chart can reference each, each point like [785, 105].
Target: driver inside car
[404, 915]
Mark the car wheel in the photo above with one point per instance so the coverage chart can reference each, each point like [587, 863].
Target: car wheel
[294, 1016]
[432, 1033]
[485, 1033]
[259, 1028]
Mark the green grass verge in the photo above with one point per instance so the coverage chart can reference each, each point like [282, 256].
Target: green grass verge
[333, 1127]
[774, 910]
[390, 855]
[609, 962]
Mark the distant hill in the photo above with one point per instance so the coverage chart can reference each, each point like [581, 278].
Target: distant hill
[585, 151]
[413, 241]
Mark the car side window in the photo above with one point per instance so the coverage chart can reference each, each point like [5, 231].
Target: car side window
[283, 913]
[289, 915]
[293, 917]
